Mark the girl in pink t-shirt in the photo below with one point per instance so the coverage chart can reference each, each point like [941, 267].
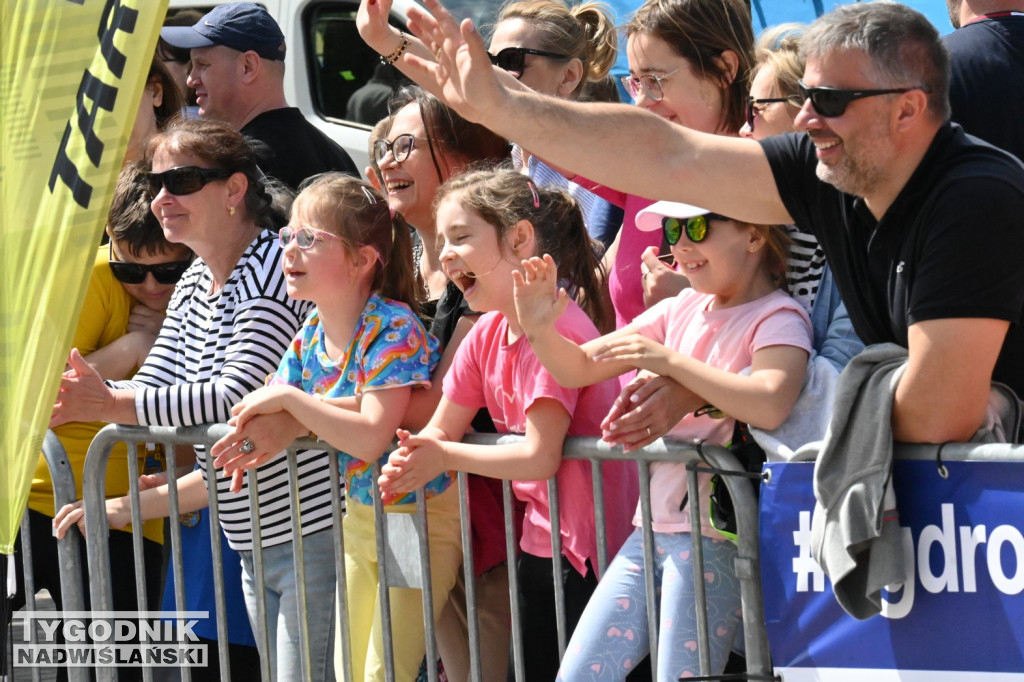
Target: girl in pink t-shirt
[488, 222]
[735, 316]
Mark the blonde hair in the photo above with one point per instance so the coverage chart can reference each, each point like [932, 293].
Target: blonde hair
[779, 48]
[353, 210]
[585, 31]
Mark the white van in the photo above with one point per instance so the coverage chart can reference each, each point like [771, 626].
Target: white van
[327, 60]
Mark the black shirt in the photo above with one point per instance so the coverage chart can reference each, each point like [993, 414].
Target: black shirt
[950, 245]
[986, 89]
[290, 148]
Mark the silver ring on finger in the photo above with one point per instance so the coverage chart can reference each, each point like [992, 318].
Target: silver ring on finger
[248, 446]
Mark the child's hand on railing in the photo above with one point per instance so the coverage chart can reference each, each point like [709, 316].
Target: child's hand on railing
[417, 461]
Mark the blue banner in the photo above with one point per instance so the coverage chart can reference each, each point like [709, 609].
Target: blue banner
[960, 612]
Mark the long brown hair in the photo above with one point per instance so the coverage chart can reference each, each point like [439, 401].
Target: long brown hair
[503, 197]
[359, 214]
[700, 31]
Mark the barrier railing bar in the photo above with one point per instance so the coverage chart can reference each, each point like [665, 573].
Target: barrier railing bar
[513, 583]
[141, 601]
[69, 547]
[469, 578]
[427, 587]
[219, 597]
[177, 558]
[299, 564]
[97, 550]
[597, 483]
[339, 560]
[259, 577]
[555, 519]
[644, 478]
[700, 599]
[381, 523]
[30, 587]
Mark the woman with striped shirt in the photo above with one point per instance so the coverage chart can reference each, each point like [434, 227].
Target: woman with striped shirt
[228, 324]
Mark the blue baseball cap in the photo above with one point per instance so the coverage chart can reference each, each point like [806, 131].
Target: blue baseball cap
[242, 26]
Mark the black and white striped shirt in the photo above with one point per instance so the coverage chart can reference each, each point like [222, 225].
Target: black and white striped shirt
[805, 267]
[214, 349]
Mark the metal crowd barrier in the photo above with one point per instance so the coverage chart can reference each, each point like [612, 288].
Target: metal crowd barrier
[68, 549]
[398, 567]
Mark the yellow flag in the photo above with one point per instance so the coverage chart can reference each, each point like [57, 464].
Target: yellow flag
[71, 76]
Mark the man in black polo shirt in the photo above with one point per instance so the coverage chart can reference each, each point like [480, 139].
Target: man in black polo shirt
[238, 74]
[924, 228]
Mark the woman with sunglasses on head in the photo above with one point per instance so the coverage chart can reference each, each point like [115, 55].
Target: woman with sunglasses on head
[227, 325]
[735, 315]
[772, 105]
[129, 288]
[559, 50]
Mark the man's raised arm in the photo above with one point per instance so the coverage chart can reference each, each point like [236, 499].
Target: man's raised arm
[620, 146]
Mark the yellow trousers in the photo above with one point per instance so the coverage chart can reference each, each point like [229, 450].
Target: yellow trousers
[362, 605]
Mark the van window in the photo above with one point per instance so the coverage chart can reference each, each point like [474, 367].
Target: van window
[339, 61]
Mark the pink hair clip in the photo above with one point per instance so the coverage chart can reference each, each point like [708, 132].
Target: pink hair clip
[536, 198]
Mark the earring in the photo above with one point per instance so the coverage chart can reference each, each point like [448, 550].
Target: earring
[231, 210]
[751, 248]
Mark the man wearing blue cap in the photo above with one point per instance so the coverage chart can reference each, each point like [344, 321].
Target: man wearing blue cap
[238, 74]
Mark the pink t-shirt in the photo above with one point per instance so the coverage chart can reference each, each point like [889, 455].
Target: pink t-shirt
[507, 378]
[726, 339]
[625, 285]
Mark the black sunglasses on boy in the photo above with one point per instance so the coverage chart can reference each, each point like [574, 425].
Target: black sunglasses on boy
[135, 273]
[185, 180]
[513, 59]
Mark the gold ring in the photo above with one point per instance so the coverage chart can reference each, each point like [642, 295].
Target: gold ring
[438, 53]
[648, 431]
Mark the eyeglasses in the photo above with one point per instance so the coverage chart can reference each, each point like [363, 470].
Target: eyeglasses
[305, 237]
[400, 148]
[649, 83]
[696, 228]
[513, 59]
[757, 105]
[832, 102]
[135, 273]
[185, 180]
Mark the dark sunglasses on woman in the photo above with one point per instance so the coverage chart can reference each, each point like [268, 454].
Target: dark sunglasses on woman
[135, 273]
[513, 59]
[695, 228]
[185, 180]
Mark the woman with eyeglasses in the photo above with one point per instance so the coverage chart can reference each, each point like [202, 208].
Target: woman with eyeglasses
[227, 325]
[772, 106]
[416, 149]
[545, 45]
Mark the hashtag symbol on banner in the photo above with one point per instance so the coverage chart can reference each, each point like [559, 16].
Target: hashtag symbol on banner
[804, 565]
